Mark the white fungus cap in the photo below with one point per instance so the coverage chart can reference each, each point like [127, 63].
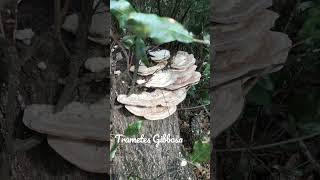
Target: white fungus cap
[152, 113]
[146, 71]
[156, 98]
[159, 55]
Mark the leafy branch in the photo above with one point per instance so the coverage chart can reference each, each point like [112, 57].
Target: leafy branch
[143, 26]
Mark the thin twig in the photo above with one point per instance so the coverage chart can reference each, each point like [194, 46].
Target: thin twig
[57, 17]
[135, 77]
[252, 83]
[194, 107]
[186, 12]
[57, 24]
[175, 9]
[309, 156]
[64, 47]
[291, 16]
[201, 41]
[1, 29]
[80, 54]
[123, 50]
[159, 7]
[65, 9]
[293, 140]
[97, 6]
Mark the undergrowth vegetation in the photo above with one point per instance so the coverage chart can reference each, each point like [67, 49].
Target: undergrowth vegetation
[297, 86]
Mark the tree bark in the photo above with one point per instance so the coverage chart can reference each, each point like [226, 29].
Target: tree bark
[146, 161]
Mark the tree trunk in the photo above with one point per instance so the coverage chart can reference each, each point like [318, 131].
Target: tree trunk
[146, 161]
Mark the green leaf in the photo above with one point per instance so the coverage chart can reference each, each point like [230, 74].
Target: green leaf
[133, 128]
[201, 152]
[159, 29]
[113, 149]
[192, 91]
[141, 49]
[205, 99]
[121, 9]
[206, 71]
[128, 41]
[311, 26]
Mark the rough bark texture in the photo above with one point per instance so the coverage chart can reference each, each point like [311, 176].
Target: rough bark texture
[146, 161]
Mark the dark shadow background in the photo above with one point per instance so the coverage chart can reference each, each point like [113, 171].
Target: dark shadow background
[43, 87]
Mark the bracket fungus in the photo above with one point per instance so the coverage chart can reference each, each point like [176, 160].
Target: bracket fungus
[174, 79]
[152, 113]
[183, 82]
[25, 35]
[269, 52]
[91, 157]
[96, 64]
[143, 70]
[231, 36]
[228, 104]
[159, 55]
[183, 60]
[244, 45]
[170, 86]
[234, 11]
[161, 79]
[75, 121]
[77, 133]
[156, 98]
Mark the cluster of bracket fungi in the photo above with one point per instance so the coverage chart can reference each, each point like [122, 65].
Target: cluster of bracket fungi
[245, 49]
[169, 81]
[78, 132]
